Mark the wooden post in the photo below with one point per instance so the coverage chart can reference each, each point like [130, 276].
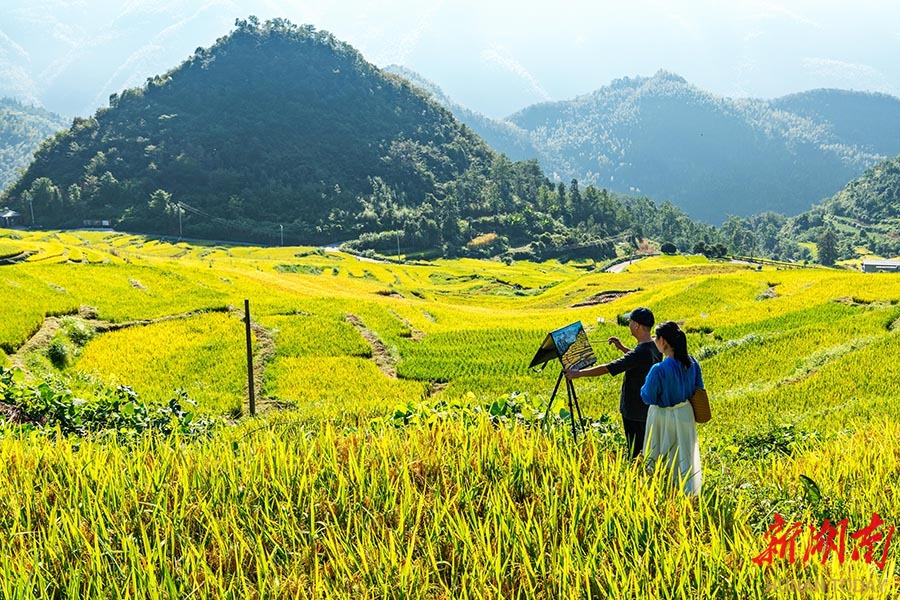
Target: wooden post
[249, 359]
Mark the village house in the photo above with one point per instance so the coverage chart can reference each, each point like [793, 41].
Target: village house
[881, 266]
[9, 217]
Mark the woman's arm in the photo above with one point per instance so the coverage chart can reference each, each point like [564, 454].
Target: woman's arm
[652, 388]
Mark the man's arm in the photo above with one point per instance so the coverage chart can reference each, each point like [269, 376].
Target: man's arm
[618, 344]
[591, 372]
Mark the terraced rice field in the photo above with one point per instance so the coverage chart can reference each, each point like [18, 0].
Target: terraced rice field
[371, 470]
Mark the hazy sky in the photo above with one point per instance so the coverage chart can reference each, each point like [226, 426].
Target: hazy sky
[494, 57]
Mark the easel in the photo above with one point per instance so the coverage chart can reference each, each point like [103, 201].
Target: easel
[572, 399]
[558, 344]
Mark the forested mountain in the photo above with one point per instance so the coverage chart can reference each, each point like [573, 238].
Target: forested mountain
[868, 121]
[273, 125]
[282, 128]
[865, 214]
[712, 156]
[500, 135]
[22, 129]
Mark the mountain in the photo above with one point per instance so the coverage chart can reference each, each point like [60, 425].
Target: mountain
[282, 129]
[500, 135]
[713, 156]
[22, 129]
[864, 214]
[273, 125]
[865, 120]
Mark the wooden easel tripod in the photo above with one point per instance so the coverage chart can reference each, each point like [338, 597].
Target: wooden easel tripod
[573, 403]
[571, 346]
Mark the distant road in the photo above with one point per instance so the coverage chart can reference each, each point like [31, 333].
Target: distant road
[618, 268]
[336, 247]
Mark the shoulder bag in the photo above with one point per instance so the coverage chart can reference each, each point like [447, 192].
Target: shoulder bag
[700, 403]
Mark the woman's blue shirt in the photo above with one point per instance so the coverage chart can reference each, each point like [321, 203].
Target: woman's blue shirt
[668, 383]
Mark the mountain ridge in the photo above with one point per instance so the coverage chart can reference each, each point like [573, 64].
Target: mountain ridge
[22, 129]
[282, 128]
[709, 154]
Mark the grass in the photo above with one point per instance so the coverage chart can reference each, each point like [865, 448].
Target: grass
[327, 495]
[198, 355]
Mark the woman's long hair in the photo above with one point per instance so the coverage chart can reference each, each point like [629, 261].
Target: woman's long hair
[675, 337]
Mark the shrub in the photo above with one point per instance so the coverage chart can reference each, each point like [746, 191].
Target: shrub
[52, 406]
[59, 351]
[488, 239]
[77, 330]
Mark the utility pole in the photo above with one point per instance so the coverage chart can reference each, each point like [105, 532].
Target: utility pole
[31, 204]
[180, 212]
[398, 244]
[282, 234]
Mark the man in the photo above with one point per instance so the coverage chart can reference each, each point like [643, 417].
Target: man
[635, 364]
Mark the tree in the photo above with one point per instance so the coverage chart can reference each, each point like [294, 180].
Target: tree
[577, 207]
[160, 202]
[74, 195]
[44, 196]
[668, 248]
[826, 245]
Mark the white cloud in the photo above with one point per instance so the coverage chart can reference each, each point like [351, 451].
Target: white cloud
[399, 49]
[501, 57]
[763, 10]
[842, 74]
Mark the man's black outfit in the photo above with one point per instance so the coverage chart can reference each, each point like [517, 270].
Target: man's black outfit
[635, 364]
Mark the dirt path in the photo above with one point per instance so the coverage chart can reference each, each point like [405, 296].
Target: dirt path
[262, 356]
[40, 340]
[415, 334]
[11, 260]
[603, 298]
[386, 361]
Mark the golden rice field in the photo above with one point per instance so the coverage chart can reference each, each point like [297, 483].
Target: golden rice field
[368, 473]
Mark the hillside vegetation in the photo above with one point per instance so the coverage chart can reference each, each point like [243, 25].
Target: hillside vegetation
[279, 132]
[712, 156]
[862, 220]
[500, 135]
[22, 129]
[397, 453]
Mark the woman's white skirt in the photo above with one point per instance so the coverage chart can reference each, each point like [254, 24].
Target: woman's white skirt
[671, 437]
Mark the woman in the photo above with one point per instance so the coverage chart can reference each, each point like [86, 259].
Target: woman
[671, 430]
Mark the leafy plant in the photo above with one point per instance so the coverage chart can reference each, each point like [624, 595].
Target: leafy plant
[55, 408]
[777, 439]
[60, 351]
[77, 330]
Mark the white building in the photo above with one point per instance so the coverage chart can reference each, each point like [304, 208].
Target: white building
[881, 266]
